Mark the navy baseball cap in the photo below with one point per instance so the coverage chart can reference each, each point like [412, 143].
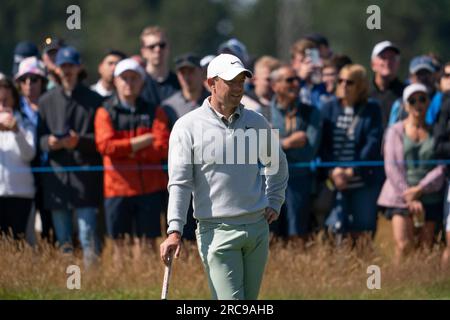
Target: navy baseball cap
[421, 63]
[317, 38]
[67, 55]
[23, 49]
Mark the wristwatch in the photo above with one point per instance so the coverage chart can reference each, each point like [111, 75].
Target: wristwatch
[173, 231]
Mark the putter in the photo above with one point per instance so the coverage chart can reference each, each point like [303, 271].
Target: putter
[167, 272]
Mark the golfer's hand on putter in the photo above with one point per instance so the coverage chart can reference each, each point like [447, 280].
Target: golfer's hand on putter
[169, 246]
[271, 215]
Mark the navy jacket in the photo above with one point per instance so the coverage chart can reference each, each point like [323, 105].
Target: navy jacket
[368, 138]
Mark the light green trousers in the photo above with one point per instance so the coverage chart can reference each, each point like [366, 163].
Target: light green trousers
[234, 257]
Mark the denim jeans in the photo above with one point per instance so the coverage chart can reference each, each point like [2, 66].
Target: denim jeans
[298, 196]
[87, 223]
[355, 210]
[447, 208]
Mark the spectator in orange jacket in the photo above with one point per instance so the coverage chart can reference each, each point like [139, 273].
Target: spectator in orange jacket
[132, 137]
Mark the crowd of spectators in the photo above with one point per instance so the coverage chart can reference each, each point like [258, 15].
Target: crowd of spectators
[77, 157]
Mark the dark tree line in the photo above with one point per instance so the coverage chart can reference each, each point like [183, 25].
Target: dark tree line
[265, 26]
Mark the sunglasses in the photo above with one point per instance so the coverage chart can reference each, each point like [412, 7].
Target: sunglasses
[347, 82]
[161, 45]
[445, 75]
[291, 80]
[33, 79]
[421, 99]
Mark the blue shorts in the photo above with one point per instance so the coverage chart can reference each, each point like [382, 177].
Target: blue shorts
[136, 215]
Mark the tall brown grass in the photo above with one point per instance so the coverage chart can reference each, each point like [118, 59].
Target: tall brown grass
[319, 272]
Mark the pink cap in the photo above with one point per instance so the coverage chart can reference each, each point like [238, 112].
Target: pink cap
[31, 65]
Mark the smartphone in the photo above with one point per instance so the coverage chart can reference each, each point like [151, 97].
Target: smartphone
[314, 55]
[61, 135]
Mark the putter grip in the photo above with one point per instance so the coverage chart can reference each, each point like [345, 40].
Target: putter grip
[167, 272]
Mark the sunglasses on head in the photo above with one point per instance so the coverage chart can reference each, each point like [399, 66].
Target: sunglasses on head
[161, 45]
[347, 82]
[33, 79]
[421, 99]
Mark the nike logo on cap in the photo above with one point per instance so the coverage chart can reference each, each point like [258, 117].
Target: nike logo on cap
[234, 62]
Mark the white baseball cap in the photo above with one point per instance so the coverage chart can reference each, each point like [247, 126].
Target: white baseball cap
[227, 67]
[413, 88]
[381, 46]
[129, 64]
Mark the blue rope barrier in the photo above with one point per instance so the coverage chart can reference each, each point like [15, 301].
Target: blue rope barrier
[313, 165]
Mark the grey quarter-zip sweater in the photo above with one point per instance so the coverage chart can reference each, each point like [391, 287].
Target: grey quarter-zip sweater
[234, 168]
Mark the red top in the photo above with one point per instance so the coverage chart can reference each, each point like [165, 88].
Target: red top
[127, 173]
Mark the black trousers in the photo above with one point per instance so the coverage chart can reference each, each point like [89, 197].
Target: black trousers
[14, 213]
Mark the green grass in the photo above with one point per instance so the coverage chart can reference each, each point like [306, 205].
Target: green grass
[320, 272]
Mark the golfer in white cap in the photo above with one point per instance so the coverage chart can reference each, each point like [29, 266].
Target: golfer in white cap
[232, 207]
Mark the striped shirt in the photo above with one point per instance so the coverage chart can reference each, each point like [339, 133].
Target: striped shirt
[344, 143]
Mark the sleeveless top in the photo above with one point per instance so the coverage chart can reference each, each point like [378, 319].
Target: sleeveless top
[415, 153]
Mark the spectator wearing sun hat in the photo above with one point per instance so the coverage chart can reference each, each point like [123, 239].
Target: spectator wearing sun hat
[191, 78]
[385, 86]
[421, 70]
[23, 49]
[50, 48]
[132, 137]
[412, 192]
[66, 134]
[32, 82]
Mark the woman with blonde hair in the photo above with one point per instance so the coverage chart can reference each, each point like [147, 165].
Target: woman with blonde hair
[352, 131]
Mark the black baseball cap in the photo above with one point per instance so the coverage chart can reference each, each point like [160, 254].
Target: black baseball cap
[53, 44]
[187, 60]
